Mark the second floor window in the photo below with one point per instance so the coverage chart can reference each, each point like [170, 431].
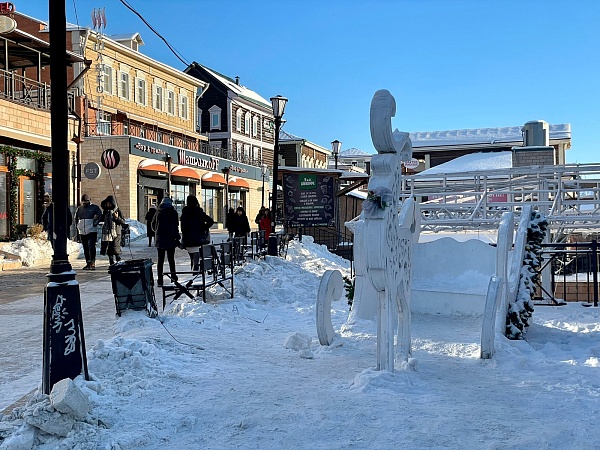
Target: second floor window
[107, 80]
[103, 123]
[215, 117]
[158, 98]
[140, 91]
[247, 124]
[124, 85]
[254, 126]
[171, 102]
[183, 106]
[238, 120]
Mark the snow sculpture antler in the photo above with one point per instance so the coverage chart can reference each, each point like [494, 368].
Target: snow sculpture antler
[388, 255]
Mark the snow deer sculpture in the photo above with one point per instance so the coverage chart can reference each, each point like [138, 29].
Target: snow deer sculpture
[388, 254]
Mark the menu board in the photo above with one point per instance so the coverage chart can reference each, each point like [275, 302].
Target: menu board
[308, 199]
[3, 206]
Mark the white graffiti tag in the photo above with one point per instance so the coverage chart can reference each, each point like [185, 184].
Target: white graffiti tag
[59, 313]
[70, 339]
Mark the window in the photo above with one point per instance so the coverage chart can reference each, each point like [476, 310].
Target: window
[215, 117]
[171, 102]
[103, 123]
[199, 121]
[183, 106]
[106, 81]
[179, 193]
[246, 152]
[140, 91]
[157, 96]
[254, 126]
[124, 85]
[247, 124]
[238, 152]
[238, 120]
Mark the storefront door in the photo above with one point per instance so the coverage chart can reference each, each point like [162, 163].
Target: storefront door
[27, 201]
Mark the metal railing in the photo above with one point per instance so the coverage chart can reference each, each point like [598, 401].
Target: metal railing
[574, 271]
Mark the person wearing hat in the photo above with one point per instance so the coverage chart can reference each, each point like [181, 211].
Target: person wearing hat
[241, 225]
[166, 228]
[87, 217]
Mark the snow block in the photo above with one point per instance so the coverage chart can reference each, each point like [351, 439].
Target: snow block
[22, 439]
[298, 341]
[50, 421]
[67, 398]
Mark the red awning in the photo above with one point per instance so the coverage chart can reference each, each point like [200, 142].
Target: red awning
[153, 168]
[213, 180]
[238, 184]
[185, 174]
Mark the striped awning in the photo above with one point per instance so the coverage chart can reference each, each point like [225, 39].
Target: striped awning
[153, 168]
[185, 174]
[213, 180]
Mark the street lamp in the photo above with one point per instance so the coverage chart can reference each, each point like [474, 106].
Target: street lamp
[336, 146]
[225, 171]
[263, 172]
[278, 103]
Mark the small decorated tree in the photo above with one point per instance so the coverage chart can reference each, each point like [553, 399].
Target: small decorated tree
[521, 310]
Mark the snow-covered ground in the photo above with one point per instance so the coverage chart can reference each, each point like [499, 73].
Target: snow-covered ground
[249, 373]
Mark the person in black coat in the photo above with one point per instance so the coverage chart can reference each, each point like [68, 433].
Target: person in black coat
[149, 231]
[230, 221]
[241, 225]
[48, 224]
[195, 230]
[111, 229]
[166, 227]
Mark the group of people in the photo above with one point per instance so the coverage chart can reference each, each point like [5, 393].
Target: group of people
[163, 225]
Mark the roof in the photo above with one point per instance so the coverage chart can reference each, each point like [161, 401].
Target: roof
[238, 89]
[285, 136]
[480, 135]
[473, 162]
[127, 37]
[353, 152]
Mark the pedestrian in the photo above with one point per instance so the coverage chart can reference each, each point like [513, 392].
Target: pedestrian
[113, 221]
[48, 221]
[149, 231]
[230, 219]
[265, 224]
[87, 218]
[195, 230]
[241, 226]
[259, 216]
[166, 228]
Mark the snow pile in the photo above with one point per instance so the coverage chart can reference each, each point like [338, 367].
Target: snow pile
[32, 250]
[136, 229]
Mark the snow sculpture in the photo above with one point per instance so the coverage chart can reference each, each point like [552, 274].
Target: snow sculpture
[330, 288]
[388, 252]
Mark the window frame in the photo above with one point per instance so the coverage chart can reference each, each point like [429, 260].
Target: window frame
[123, 85]
[139, 95]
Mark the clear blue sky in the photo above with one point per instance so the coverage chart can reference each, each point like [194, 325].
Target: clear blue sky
[450, 64]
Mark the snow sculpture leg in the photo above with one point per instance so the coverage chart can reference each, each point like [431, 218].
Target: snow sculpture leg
[330, 288]
[388, 254]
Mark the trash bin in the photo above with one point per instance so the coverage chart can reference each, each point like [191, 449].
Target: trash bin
[133, 286]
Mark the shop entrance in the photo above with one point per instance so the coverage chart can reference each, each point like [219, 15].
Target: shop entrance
[27, 201]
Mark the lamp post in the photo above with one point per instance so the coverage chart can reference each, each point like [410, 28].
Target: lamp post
[278, 103]
[336, 146]
[263, 172]
[225, 171]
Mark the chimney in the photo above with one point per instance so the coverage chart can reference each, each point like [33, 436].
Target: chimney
[237, 80]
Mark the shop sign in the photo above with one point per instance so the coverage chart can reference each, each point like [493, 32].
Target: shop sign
[110, 158]
[308, 199]
[7, 25]
[91, 170]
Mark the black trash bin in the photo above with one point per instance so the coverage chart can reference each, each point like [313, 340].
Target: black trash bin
[133, 286]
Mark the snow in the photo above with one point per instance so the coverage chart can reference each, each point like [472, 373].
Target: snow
[472, 162]
[249, 373]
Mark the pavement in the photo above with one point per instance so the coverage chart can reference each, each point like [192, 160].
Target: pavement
[21, 315]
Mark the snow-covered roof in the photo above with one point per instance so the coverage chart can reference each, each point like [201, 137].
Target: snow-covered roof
[481, 135]
[238, 89]
[473, 162]
[127, 37]
[353, 152]
[285, 136]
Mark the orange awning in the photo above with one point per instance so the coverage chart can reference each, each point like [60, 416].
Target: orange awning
[151, 167]
[214, 180]
[239, 184]
[185, 174]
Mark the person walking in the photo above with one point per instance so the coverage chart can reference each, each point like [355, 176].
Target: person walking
[265, 224]
[149, 231]
[230, 222]
[113, 221]
[166, 227]
[195, 230]
[87, 217]
[241, 225]
[259, 216]
[48, 221]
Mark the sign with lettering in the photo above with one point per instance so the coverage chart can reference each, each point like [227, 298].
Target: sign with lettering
[308, 199]
[6, 7]
[91, 170]
[190, 158]
[64, 343]
[110, 158]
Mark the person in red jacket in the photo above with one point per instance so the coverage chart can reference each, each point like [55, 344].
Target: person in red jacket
[265, 223]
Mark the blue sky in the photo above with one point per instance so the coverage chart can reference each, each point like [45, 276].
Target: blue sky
[450, 64]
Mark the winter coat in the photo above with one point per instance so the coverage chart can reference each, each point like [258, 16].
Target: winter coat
[241, 226]
[84, 218]
[149, 216]
[166, 226]
[113, 219]
[195, 226]
[265, 224]
[48, 217]
[230, 220]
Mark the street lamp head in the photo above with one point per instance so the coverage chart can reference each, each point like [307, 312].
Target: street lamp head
[336, 146]
[278, 103]
[263, 169]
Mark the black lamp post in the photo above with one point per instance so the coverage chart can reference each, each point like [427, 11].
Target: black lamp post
[225, 171]
[263, 172]
[278, 103]
[336, 146]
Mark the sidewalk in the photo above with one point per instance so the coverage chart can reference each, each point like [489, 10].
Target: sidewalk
[21, 316]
